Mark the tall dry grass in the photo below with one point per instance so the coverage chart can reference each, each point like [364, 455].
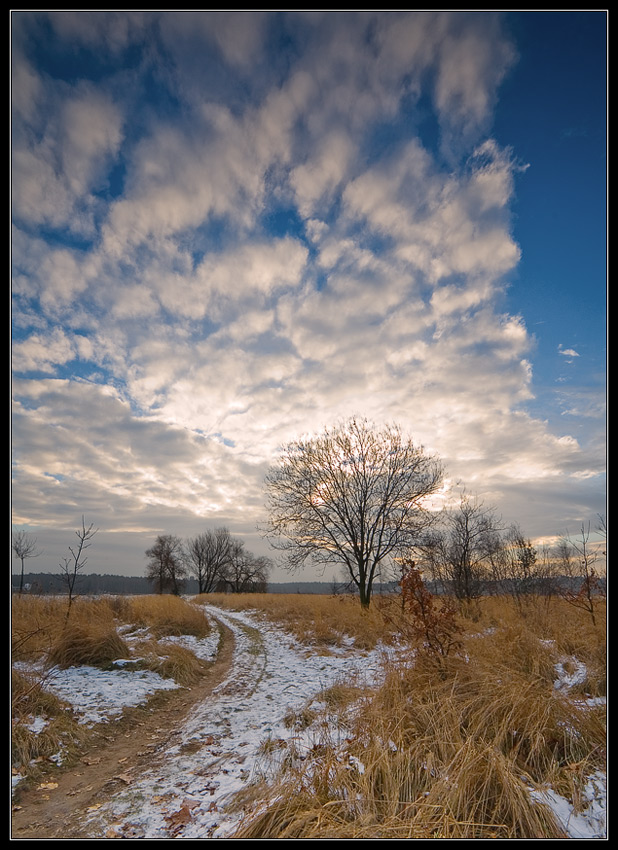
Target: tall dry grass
[317, 620]
[98, 632]
[41, 631]
[59, 730]
[166, 615]
[451, 747]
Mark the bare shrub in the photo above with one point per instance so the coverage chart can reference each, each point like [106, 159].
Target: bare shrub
[427, 618]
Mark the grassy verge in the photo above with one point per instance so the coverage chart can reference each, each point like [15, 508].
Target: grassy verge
[322, 622]
[98, 633]
[452, 747]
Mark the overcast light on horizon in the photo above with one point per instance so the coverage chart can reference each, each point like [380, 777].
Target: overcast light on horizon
[230, 229]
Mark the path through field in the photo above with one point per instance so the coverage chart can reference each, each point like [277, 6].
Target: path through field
[186, 772]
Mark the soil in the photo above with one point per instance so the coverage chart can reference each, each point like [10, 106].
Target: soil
[55, 805]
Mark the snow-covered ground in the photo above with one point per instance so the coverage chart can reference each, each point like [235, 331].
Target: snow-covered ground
[220, 748]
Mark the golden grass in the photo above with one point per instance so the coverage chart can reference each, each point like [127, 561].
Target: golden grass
[43, 638]
[167, 615]
[40, 629]
[60, 732]
[317, 620]
[450, 750]
[169, 660]
[438, 750]
[36, 622]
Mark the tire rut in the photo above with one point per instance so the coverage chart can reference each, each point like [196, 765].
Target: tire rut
[198, 760]
[117, 754]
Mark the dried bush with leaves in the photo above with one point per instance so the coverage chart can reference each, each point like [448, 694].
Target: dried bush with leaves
[427, 619]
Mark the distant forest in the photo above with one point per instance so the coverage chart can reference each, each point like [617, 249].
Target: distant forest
[95, 584]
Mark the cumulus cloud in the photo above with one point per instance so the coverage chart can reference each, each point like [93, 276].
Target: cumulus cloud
[62, 154]
[281, 249]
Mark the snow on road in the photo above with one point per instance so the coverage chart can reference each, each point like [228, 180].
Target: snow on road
[218, 749]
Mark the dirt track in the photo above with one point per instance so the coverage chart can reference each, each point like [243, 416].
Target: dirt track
[57, 806]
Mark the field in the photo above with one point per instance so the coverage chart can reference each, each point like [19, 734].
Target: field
[304, 716]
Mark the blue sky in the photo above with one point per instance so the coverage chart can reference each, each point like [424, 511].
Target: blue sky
[230, 229]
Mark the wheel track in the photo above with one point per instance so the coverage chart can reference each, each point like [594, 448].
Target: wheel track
[77, 802]
[200, 763]
[182, 785]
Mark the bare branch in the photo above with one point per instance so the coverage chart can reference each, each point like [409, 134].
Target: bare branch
[24, 547]
[354, 496]
[74, 563]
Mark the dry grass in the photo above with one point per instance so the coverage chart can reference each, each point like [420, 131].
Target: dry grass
[439, 750]
[41, 631]
[450, 750]
[90, 645]
[60, 731]
[317, 620]
[167, 615]
[169, 660]
[391, 799]
[43, 638]
[36, 622]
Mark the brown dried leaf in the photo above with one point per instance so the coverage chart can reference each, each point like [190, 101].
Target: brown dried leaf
[177, 820]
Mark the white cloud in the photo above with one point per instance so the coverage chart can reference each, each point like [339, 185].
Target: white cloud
[239, 37]
[381, 295]
[40, 196]
[91, 134]
[443, 224]
[318, 179]
[64, 142]
[26, 90]
[100, 30]
[43, 352]
[474, 59]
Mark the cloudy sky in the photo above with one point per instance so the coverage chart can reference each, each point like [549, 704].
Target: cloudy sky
[233, 228]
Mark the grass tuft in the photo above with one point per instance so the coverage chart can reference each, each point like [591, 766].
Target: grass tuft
[170, 661]
[450, 750]
[42, 724]
[92, 646]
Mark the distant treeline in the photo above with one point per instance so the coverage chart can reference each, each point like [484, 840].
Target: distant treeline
[94, 584]
[39, 583]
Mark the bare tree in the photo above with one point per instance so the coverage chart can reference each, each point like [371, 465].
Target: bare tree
[73, 564]
[208, 557]
[514, 565]
[578, 557]
[246, 572]
[24, 547]
[166, 568]
[353, 496]
[460, 553]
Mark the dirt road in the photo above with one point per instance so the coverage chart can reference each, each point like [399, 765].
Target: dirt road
[172, 770]
[61, 805]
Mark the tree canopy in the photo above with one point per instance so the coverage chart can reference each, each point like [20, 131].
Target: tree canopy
[355, 495]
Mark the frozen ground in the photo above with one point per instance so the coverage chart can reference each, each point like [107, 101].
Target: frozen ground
[220, 748]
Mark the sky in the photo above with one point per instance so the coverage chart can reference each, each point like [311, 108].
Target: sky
[231, 229]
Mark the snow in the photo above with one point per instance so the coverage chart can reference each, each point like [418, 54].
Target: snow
[99, 694]
[588, 824]
[220, 748]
